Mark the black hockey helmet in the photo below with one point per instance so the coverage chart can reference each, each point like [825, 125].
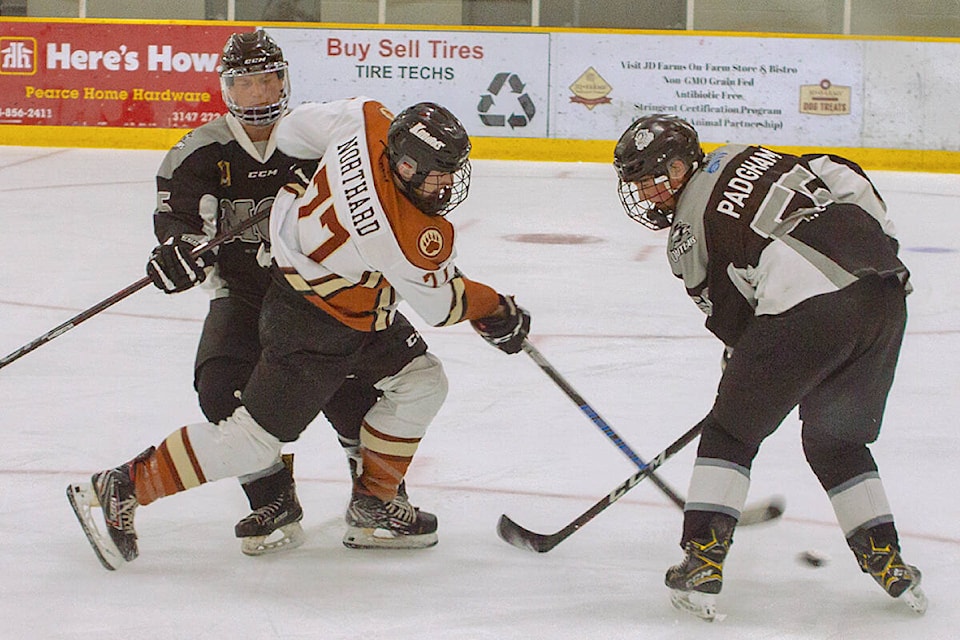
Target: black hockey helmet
[252, 54]
[428, 138]
[646, 150]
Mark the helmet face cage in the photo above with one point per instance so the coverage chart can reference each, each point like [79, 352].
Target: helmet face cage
[647, 212]
[427, 144]
[252, 57]
[646, 150]
[440, 193]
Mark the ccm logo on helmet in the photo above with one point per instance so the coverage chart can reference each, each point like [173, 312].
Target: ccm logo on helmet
[421, 132]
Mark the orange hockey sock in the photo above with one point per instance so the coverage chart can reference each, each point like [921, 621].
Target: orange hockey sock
[168, 469]
[385, 461]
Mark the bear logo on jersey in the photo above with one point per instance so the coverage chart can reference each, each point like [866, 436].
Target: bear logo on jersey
[430, 242]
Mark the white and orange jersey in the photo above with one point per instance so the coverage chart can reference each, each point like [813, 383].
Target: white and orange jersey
[350, 241]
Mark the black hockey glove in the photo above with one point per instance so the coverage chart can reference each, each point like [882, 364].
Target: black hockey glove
[172, 269]
[506, 333]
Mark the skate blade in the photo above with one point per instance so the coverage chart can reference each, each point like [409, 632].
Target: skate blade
[915, 598]
[701, 605]
[369, 538]
[291, 536]
[82, 498]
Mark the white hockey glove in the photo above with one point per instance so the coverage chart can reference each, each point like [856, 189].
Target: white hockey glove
[171, 267]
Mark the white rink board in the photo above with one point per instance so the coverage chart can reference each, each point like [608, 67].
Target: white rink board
[496, 83]
[731, 89]
[781, 90]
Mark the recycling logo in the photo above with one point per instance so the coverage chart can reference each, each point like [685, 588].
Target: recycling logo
[514, 101]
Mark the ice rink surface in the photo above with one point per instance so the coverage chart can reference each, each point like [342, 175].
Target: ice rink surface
[76, 227]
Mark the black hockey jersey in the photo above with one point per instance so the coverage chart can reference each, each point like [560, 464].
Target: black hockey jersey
[756, 232]
[209, 182]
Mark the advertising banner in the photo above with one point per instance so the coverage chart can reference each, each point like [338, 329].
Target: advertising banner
[786, 91]
[110, 74]
[496, 83]
[128, 83]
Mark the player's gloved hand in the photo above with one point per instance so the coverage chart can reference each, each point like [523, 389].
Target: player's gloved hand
[725, 358]
[171, 267]
[505, 331]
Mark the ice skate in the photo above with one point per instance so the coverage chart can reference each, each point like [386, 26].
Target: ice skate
[696, 581]
[281, 517]
[373, 524]
[885, 565]
[112, 491]
[274, 526]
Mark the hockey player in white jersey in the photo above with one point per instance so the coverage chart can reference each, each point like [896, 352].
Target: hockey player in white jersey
[217, 176]
[794, 261]
[363, 231]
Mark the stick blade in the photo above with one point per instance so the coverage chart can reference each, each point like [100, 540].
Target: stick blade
[766, 511]
[515, 535]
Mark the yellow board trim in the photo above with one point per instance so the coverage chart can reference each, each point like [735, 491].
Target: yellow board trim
[484, 148]
[565, 150]
[90, 137]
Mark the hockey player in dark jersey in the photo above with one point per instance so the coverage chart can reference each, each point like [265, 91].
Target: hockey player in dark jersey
[795, 264]
[216, 177]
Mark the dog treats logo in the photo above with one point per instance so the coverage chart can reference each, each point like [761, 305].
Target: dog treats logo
[825, 99]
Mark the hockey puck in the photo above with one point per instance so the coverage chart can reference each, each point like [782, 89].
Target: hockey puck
[812, 558]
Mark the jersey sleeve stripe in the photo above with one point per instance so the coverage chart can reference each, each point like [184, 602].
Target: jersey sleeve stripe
[458, 304]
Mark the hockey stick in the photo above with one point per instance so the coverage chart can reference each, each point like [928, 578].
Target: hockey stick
[128, 291]
[601, 424]
[522, 538]
[514, 534]
[771, 509]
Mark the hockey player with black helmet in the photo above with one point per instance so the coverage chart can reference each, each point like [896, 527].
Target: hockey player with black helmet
[217, 176]
[364, 231]
[414, 151]
[794, 262]
[252, 65]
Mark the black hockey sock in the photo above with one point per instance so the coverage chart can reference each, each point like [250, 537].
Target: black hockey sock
[701, 525]
[262, 491]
